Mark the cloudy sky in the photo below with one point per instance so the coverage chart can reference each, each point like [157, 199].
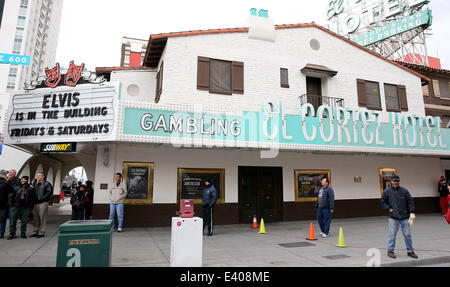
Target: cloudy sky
[92, 30]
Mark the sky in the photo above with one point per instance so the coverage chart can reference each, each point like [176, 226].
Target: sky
[92, 30]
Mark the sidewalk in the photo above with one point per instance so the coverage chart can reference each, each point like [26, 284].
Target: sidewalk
[241, 246]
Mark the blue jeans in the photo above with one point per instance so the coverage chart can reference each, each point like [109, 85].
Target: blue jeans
[112, 210]
[324, 218]
[393, 229]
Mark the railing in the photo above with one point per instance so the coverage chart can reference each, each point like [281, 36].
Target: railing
[318, 101]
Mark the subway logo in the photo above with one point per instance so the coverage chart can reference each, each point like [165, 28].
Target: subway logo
[58, 147]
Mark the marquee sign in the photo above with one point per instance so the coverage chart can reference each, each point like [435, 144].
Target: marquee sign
[333, 129]
[63, 114]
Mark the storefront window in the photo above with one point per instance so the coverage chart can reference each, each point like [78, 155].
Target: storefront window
[386, 177]
[138, 177]
[191, 183]
[308, 183]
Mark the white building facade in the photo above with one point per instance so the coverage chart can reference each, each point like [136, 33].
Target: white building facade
[265, 111]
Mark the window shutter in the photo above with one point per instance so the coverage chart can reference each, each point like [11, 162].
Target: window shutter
[203, 74]
[238, 77]
[362, 100]
[425, 90]
[284, 78]
[436, 89]
[402, 97]
[158, 75]
[159, 83]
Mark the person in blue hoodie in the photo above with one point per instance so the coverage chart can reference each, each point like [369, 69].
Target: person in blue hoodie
[209, 201]
[325, 207]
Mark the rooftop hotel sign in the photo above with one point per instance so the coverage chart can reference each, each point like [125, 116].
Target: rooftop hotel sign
[332, 129]
[376, 20]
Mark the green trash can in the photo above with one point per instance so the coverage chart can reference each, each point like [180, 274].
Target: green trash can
[85, 243]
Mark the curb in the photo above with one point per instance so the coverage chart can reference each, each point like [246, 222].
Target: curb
[418, 262]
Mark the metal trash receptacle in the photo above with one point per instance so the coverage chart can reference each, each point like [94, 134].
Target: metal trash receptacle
[85, 243]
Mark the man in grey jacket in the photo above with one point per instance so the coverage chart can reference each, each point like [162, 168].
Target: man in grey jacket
[117, 195]
[43, 192]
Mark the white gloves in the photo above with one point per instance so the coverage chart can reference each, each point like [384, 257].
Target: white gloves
[412, 216]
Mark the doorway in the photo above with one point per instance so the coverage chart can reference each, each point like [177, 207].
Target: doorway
[314, 91]
[260, 193]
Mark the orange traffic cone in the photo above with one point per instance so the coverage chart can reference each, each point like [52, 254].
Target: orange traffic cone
[255, 222]
[311, 235]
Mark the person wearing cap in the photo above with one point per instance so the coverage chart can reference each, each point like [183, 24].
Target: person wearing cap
[209, 201]
[5, 191]
[399, 203]
[21, 202]
[443, 194]
[78, 202]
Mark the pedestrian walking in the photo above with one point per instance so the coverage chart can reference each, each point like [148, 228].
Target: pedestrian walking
[117, 195]
[78, 201]
[43, 191]
[209, 201]
[399, 203]
[20, 208]
[443, 191]
[89, 200]
[5, 191]
[325, 207]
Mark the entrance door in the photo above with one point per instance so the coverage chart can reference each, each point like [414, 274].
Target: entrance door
[260, 193]
[314, 91]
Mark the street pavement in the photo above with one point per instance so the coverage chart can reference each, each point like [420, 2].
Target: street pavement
[284, 245]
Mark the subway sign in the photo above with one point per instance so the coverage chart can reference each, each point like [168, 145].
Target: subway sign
[58, 147]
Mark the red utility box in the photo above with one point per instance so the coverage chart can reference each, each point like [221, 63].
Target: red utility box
[186, 208]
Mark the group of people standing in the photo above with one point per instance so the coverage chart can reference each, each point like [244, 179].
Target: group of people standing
[19, 199]
[82, 201]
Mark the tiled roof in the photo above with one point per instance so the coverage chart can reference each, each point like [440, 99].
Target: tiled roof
[157, 43]
[424, 69]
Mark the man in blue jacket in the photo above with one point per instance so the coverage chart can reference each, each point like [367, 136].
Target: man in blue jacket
[400, 205]
[209, 200]
[325, 207]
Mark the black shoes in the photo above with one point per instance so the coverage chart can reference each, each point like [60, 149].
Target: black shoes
[11, 236]
[34, 235]
[391, 254]
[413, 255]
[40, 236]
[210, 234]
[23, 235]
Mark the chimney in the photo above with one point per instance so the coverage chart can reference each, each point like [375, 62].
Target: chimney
[260, 26]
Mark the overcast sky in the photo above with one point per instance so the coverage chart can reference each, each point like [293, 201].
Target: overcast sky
[92, 30]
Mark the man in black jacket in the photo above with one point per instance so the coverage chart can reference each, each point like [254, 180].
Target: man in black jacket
[398, 201]
[209, 201]
[21, 201]
[42, 194]
[5, 191]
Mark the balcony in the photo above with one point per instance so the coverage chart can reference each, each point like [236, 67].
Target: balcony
[317, 101]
